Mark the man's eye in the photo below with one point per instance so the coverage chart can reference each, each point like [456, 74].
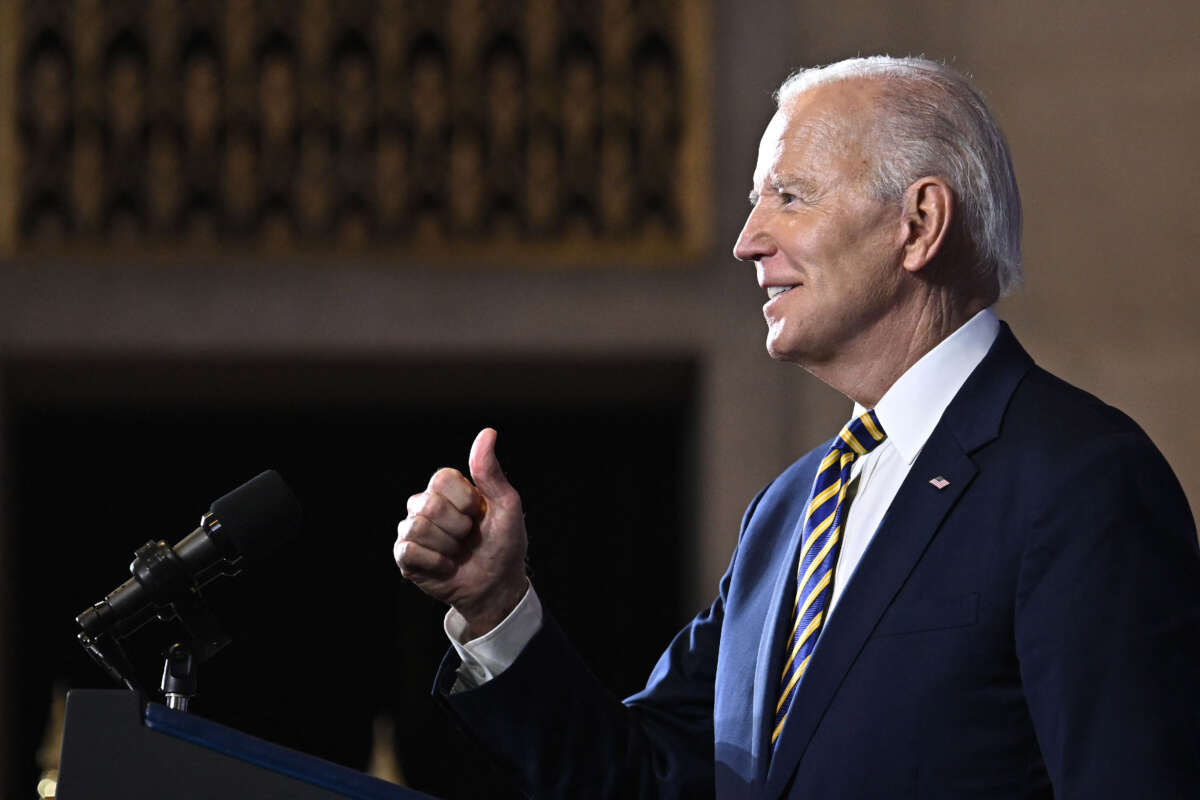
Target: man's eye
[786, 198]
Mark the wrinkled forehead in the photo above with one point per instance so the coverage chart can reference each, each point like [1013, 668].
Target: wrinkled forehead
[830, 122]
[789, 142]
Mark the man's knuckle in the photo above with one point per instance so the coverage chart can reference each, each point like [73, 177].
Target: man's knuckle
[508, 499]
[444, 478]
[419, 527]
[434, 505]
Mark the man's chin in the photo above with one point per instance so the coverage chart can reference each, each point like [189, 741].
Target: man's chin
[779, 351]
[792, 349]
[784, 339]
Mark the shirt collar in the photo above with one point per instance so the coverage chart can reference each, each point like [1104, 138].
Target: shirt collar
[911, 408]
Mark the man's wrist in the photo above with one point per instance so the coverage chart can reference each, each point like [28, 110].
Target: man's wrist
[485, 657]
[483, 619]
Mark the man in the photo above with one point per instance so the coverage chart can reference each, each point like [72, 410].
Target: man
[987, 585]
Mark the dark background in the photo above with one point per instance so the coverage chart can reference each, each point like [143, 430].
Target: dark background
[1098, 99]
[327, 635]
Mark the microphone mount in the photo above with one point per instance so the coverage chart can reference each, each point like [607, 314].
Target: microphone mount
[166, 590]
[173, 594]
[246, 524]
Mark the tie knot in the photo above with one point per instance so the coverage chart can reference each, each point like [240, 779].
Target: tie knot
[861, 435]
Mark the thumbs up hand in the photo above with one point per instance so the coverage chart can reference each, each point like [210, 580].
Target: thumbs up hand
[463, 541]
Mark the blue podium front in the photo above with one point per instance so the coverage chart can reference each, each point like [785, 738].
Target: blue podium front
[116, 745]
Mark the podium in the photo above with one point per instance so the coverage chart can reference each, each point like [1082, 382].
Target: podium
[117, 745]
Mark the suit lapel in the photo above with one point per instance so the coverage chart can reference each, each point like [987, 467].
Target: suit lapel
[917, 512]
[776, 629]
[902, 537]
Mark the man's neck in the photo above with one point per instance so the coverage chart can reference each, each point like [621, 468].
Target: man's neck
[878, 360]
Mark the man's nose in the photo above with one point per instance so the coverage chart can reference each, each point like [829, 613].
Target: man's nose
[753, 243]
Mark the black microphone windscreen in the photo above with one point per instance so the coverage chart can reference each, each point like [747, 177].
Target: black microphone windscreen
[258, 516]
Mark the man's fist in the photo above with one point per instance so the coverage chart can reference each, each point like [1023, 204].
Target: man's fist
[463, 541]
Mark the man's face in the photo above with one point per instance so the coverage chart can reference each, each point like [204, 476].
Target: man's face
[826, 251]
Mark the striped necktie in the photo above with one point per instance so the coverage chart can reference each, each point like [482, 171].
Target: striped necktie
[822, 534]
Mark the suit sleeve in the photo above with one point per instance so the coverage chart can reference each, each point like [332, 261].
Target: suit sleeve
[1108, 626]
[562, 734]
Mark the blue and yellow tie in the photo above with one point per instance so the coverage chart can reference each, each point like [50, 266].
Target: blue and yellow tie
[819, 552]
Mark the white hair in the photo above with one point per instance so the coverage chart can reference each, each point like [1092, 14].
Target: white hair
[930, 121]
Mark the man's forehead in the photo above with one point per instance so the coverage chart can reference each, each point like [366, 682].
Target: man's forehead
[791, 146]
[824, 119]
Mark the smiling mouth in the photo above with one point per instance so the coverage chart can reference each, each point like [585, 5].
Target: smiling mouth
[775, 291]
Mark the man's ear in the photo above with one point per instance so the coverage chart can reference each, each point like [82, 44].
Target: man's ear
[928, 211]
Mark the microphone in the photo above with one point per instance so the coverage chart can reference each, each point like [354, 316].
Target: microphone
[247, 524]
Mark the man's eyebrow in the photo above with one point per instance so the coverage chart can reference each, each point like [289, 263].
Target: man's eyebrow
[793, 180]
[801, 182]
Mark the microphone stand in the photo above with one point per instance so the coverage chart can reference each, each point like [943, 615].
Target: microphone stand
[174, 595]
[106, 651]
[178, 684]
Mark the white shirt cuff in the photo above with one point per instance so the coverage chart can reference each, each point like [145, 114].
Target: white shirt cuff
[489, 655]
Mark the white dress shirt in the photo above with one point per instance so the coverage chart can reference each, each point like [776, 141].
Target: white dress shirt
[908, 412]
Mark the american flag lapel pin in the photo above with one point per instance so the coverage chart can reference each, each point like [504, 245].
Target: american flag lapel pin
[939, 482]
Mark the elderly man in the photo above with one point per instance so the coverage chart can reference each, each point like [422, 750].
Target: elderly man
[987, 585]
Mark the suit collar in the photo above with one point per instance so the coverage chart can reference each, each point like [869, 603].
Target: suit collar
[972, 419]
[912, 407]
[975, 416]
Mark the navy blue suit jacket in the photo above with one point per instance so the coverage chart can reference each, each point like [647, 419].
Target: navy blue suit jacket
[1030, 630]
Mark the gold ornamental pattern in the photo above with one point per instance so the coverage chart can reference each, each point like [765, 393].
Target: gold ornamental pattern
[537, 132]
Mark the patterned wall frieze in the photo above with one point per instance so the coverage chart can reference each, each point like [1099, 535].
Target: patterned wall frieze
[544, 132]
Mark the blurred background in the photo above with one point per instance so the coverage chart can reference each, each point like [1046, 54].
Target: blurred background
[336, 239]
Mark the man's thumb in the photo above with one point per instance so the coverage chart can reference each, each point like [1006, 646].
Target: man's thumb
[485, 468]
